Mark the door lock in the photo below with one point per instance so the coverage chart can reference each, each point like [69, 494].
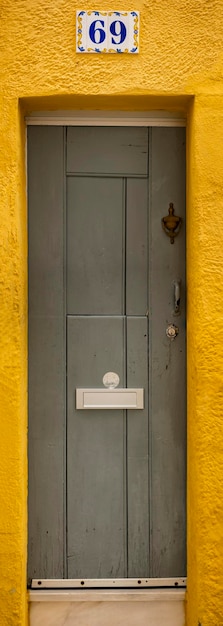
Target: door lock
[172, 331]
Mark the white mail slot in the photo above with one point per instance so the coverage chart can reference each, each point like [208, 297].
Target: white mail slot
[109, 398]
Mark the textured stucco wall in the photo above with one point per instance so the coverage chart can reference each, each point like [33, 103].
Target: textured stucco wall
[180, 55]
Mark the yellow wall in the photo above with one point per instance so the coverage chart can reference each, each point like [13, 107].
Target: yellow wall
[180, 56]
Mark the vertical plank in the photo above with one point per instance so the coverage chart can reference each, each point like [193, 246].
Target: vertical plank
[136, 246]
[46, 353]
[167, 358]
[96, 448]
[138, 451]
[95, 255]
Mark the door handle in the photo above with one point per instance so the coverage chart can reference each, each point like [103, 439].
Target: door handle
[177, 296]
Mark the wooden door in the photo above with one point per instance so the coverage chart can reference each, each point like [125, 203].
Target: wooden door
[106, 488]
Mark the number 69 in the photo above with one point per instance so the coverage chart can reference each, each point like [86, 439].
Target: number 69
[117, 29]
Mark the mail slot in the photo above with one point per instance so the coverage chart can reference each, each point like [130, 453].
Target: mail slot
[109, 398]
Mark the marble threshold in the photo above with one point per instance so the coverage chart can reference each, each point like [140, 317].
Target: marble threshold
[144, 607]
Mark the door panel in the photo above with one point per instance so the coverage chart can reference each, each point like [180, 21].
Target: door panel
[114, 480]
[46, 352]
[136, 246]
[167, 358]
[96, 507]
[110, 267]
[137, 450]
[120, 151]
[94, 274]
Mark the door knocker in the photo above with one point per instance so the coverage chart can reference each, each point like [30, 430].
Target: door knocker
[171, 223]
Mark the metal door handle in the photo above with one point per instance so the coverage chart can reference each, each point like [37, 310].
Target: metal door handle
[177, 295]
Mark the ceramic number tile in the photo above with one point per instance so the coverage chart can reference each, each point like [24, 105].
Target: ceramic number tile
[118, 32]
[107, 32]
[96, 32]
[133, 29]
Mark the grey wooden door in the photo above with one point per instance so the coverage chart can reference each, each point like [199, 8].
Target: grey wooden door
[106, 488]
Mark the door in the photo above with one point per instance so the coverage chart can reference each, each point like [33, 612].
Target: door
[106, 290]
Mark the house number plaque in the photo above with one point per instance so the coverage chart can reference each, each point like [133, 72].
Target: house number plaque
[107, 32]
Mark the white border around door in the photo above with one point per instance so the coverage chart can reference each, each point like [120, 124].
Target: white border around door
[105, 118]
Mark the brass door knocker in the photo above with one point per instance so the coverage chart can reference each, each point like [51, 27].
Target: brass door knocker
[171, 223]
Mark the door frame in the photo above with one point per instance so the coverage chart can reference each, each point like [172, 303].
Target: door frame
[107, 118]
